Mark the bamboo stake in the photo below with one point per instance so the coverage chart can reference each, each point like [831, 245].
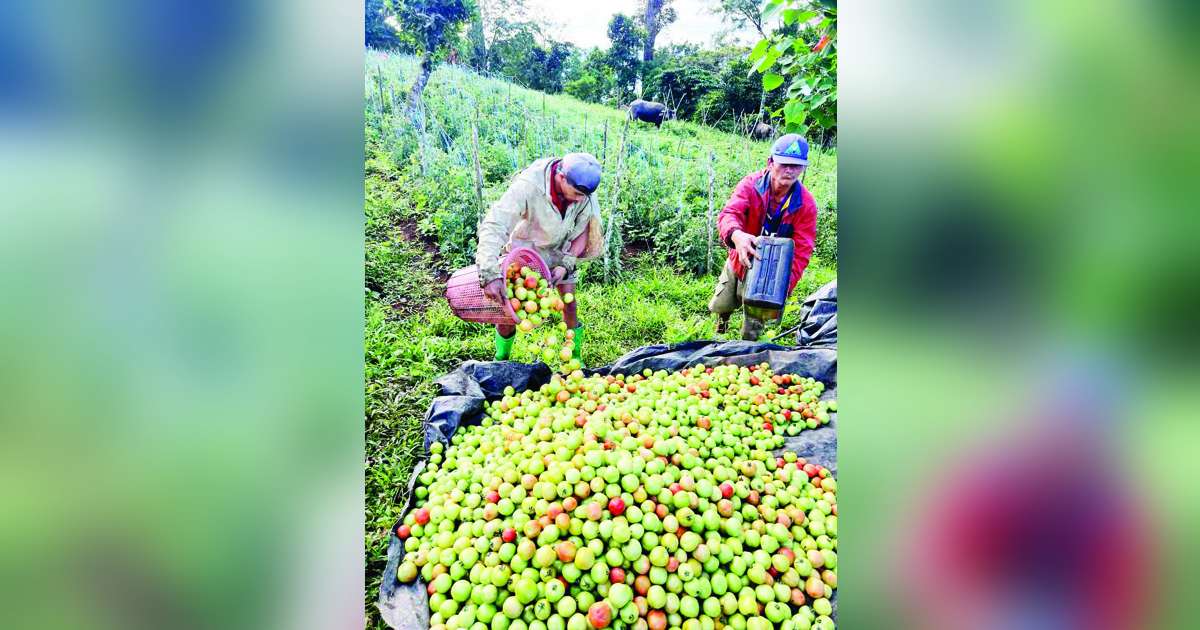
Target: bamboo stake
[615, 215]
[604, 148]
[709, 231]
[475, 158]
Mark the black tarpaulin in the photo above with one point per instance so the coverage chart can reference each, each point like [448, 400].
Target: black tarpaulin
[818, 319]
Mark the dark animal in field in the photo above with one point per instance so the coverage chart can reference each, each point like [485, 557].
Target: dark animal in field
[762, 131]
[650, 112]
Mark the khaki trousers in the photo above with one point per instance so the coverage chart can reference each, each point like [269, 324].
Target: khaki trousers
[727, 298]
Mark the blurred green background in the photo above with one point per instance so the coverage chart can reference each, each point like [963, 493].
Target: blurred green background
[1018, 213]
[181, 315]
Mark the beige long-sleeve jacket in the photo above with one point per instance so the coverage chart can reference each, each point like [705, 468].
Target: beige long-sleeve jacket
[525, 217]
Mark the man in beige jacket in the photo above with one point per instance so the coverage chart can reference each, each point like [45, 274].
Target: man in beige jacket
[549, 207]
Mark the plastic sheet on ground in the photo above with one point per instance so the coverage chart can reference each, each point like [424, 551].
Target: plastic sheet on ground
[463, 392]
[818, 318]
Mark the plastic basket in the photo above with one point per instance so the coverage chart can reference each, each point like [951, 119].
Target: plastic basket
[469, 303]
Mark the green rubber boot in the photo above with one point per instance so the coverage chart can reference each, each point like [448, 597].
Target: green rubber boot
[577, 352]
[504, 346]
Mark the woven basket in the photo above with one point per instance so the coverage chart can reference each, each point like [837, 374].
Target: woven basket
[469, 303]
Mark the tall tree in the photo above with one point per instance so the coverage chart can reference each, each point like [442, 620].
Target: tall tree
[380, 34]
[743, 13]
[625, 52]
[513, 54]
[496, 20]
[555, 69]
[431, 26]
[656, 15]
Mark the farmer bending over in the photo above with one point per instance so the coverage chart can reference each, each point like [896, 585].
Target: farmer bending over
[549, 207]
[769, 202]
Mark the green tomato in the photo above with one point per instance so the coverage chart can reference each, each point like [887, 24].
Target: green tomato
[619, 595]
[406, 572]
[689, 607]
[656, 597]
[776, 612]
[584, 558]
[553, 590]
[719, 584]
[747, 603]
[461, 591]
[525, 590]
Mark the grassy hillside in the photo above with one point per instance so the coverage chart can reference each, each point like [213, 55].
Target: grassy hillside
[655, 193]
[421, 212]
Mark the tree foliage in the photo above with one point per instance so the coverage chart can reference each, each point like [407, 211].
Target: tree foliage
[722, 86]
[627, 38]
[714, 87]
[430, 26]
[802, 54]
[380, 34]
[496, 21]
[742, 14]
[591, 78]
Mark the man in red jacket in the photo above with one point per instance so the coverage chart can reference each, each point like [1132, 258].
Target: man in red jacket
[770, 202]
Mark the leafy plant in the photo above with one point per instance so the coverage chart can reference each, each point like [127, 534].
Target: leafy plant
[805, 60]
[826, 248]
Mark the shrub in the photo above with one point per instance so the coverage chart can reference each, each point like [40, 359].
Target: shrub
[826, 248]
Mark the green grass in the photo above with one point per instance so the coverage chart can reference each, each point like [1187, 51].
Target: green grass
[421, 212]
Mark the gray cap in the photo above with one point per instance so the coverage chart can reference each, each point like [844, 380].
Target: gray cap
[582, 171]
[790, 149]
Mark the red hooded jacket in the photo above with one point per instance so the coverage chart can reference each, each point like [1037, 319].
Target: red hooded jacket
[747, 209]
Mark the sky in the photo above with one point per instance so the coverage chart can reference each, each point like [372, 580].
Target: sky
[585, 24]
